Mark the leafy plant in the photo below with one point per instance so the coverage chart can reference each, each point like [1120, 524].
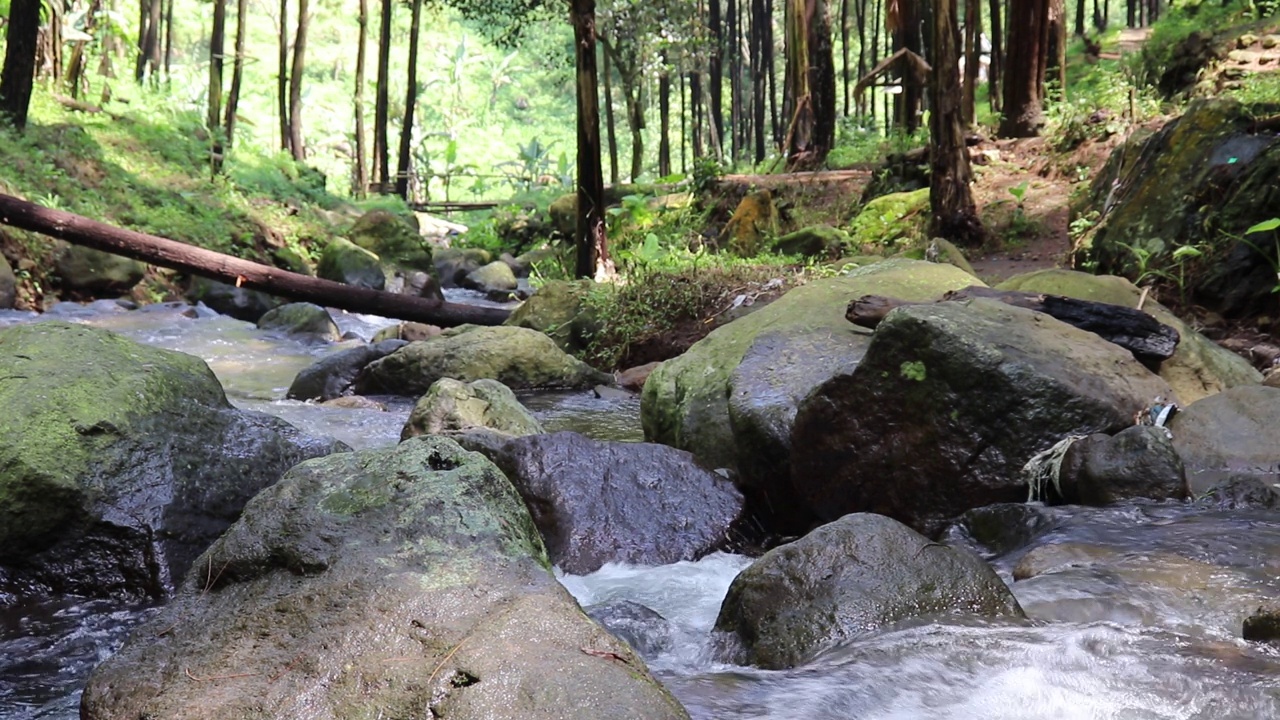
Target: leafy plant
[1266, 226]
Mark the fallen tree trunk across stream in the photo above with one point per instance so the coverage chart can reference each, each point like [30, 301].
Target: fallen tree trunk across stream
[235, 271]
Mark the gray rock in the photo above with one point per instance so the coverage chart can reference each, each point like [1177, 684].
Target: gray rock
[84, 269]
[597, 502]
[401, 582]
[646, 631]
[494, 279]
[950, 401]
[306, 319]
[852, 576]
[453, 264]
[345, 262]
[451, 407]
[1232, 435]
[999, 529]
[8, 285]
[1137, 462]
[238, 302]
[122, 461]
[332, 376]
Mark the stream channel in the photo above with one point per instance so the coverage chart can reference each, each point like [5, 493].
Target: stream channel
[1142, 621]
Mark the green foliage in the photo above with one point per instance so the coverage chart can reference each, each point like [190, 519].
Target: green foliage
[1101, 103]
[706, 171]
[1266, 226]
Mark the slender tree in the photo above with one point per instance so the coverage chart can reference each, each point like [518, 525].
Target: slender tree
[151, 15]
[995, 69]
[168, 39]
[592, 249]
[664, 117]
[381, 151]
[714, 73]
[972, 31]
[18, 75]
[362, 44]
[296, 144]
[410, 102]
[954, 214]
[1025, 69]
[610, 127]
[217, 38]
[237, 71]
[903, 20]
[282, 76]
[810, 89]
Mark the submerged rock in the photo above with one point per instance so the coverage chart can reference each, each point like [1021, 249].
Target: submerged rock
[643, 629]
[400, 582]
[597, 502]
[307, 319]
[517, 357]
[333, 376]
[121, 462]
[998, 529]
[240, 303]
[453, 264]
[852, 576]
[950, 401]
[1230, 436]
[452, 407]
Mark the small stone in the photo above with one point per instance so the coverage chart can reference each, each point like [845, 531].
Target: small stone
[1263, 626]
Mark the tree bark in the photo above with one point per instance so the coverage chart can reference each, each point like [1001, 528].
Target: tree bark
[1024, 81]
[282, 76]
[972, 59]
[1056, 55]
[381, 148]
[410, 104]
[18, 75]
[362, 167]
[592, 251]
[168, 39]
[237, 72]
[610, 125]
[955, 216]
[760, 21]
[714, 72]
[906, 35]
[1081, 6]
[810, 84]
[664, 119]
[296, 73]
[244, 273]
[149, 41]
[695, 114]
[217, 38]
[996, 68]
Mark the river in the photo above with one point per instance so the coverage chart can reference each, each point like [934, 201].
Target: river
[1139, 621]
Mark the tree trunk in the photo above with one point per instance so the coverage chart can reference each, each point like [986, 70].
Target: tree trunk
[296, 73]
[907, 35]
[1081, 7]
[759, 76]
[996, 68]
[237, 72]
[775, 122]
[664, 119]
[217, 38]
[955, 216]
[844, 56]
[695, 114]
[148, 40]
[18, 75]
[972, 59]
[810, 84]
[1056, 55]
[381, 148]
[714, 74]
[611, 128]
[860, 16]
[592, 251]
[243, 273]
[168, 39]
[282, 76]
[79, 54]
[1024, 81]
[361, 173]
[410, 103]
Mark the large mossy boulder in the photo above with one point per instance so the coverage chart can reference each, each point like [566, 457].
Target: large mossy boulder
[558, 310]
[597, 502]
[1199, 367]
[753, 224]
[517, 357]
[1233, 436]
[948, 404]
[732, 398]
[495, 279]
[1201, 181]
[8, 285]
[393, 238]
[399, 582]
[120, 462]
[855, 575]
[892, 222]
[454, 264]
[86, 270]
[345, 262]
[814, 241]
[451, 407]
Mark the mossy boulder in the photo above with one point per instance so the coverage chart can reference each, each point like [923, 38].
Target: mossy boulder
[1199, 367]
[302, 319]
[331, 377]
[393, 238]
[732, 398]
[849, 577]
[86, 270]
[120, 462]
[944, 251]
[892, 222]
[1201, 181]
[8, 285]
[564, 214]
[558, 310]
[753, 224]
[517, 357]
[345, 262]
[495, 279]
[814, 241]
[400, 582]
[454, 264]
[452, 407]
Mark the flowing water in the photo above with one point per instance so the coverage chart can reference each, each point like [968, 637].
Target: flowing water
[1139, 618]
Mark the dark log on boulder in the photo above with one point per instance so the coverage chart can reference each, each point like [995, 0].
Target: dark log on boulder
[241, 273]
[1149, 340]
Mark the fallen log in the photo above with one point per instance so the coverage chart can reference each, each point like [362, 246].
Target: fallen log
[235, 271]
[1148, 339]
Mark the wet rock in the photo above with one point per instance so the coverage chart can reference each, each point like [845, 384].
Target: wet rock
[1199, 367]
[633, 379]
[1231, 435]
[945, 251]
[519, 265]
[453, 264]
[999, 529]
[332, 377]
[1263, 626]
[8, 285]
[1240, 493]
[852, 576]
[451, 407]
[732, 398]
[1059, 557]
[494, 279]
[406, 581]
[517, 357]
[84, 269]
[407, 331]
[238, 302]
[644, 630]
[1137, 462]
[415, 282]
[345, 262]
[122, 461]
[597, 502]
[307, 319]
[950, 401]
[557, 309]
[392, 238]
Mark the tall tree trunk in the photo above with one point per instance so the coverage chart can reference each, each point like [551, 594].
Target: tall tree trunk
[684, 124]
[906, 35]
[810, 83]
[860, 16]
[844, 55]
[168, 39]
[760, 22]
[635, 119]
[362, 45]
[695, 114]
[664, 119]
[79, 54]
[217, 39]
[1056, 55]
[1024, 80]
[955, 216]
[972, 57]
[282, 76]
[296, 73]
[735, 73]
[1081, 8]
[410, 102]
[775, 120]
[1131, 13]
[381, 149]
[237, 72]
[611, 128]
[715, 75]
[996, 68]
[18, 76]
[592, 251]
[151, 13]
